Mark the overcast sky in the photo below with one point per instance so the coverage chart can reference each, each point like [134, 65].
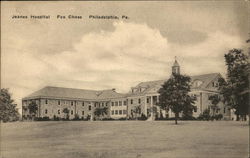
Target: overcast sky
[104, 54]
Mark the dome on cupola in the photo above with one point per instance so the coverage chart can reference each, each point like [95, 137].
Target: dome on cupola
[176, 67]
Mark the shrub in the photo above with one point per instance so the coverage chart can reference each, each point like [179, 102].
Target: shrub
[46, 118]
[88, 117]
[205, 115]
[218, 117]
[55, 118]
[108, 119]
[188, 117]
[143, 117]
[76, 118]
[122, 118]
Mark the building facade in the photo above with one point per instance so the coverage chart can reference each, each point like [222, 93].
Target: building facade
[141, 100]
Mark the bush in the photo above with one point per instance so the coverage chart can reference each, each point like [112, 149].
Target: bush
[143, 117]
[122, 119]
[188, 118]
[46, 118]
[108, 119]
[88, 117]
[218, 117]
[205, 115]
[55, 118]
[76, 118]
[162, 119]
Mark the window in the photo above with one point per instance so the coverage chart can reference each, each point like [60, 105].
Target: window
[120, 112]
[72, 112]
[89, 107]
[82, 112]
[106, 103]
[58, 111]
[112, 112]
[147, 100]
[59, 103]
[116, 103]
[112, 103]
[46, 111]
[46, 101]
[197, 83]
[124, 111]
[120, 103]
[102, 104]
[124, 103]
[131, 101]
[72, 103]
[116, 112]
[82, 103]
[224, 110]
[97, 104]
[139, 101]
[215, 84]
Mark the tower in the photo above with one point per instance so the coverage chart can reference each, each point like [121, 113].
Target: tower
[176, 67]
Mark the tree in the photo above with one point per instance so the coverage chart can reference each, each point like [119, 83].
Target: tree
[137, 111]
[189, 108]
[101, 112]
[66, 112]
[174, 94]
[235, 89]
[8, 110]
[33, 107]
[215, 99]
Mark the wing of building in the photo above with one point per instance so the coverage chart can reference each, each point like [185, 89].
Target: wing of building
[52, 101]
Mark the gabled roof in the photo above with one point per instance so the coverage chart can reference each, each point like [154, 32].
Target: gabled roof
[206, 79]
[154, 86]
[148, 87]
[71, 93]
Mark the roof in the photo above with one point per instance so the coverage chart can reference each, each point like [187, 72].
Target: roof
[59, 92]
[146, 88]
[154, 86]
[206, 79]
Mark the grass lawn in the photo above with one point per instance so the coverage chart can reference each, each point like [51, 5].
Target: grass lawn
[125, 139]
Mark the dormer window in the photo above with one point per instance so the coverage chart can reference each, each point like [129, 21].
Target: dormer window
[215, 84]
[197, 83]
[141, 89]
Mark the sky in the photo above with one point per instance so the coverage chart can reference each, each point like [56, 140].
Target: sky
[103, 54]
